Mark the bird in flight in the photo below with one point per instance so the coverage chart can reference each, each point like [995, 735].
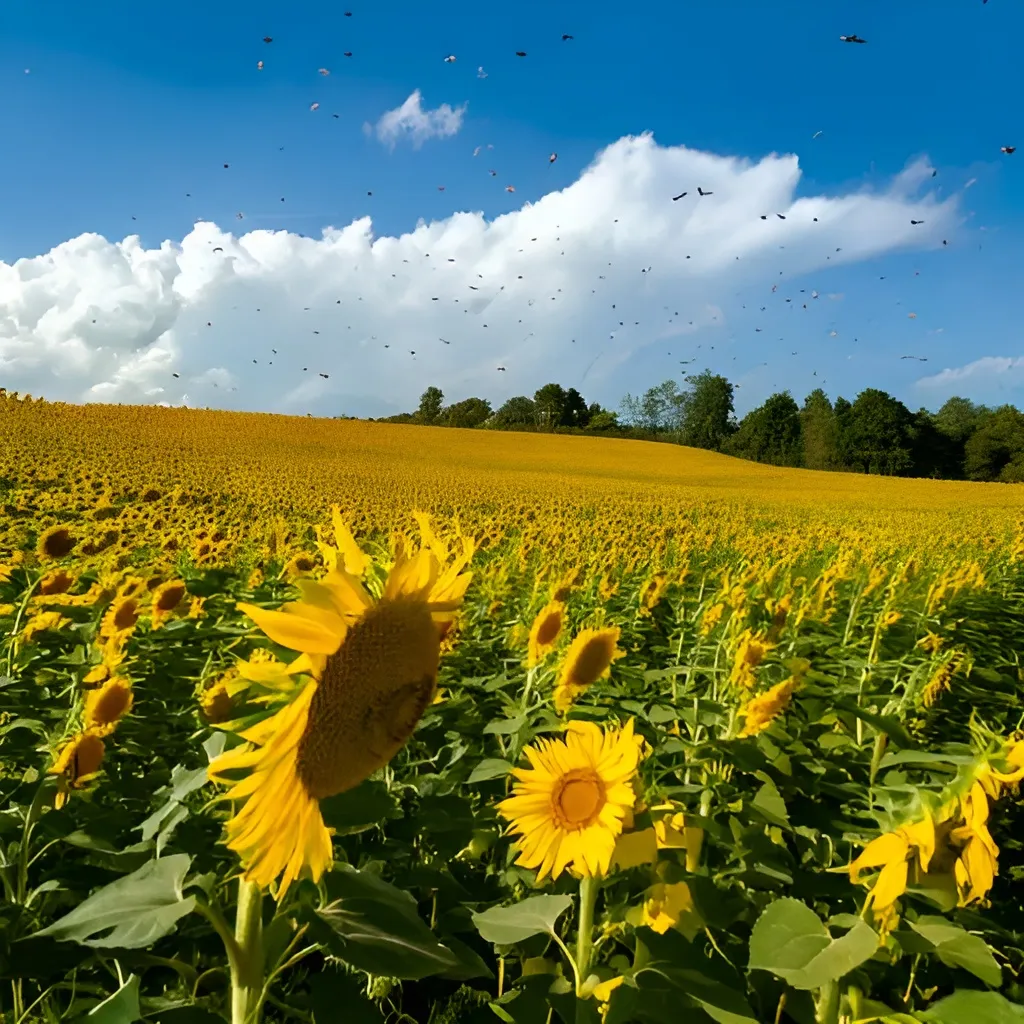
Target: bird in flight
[676, 199]
[520, 53]
[917, 222]
[852, 39]
[565, 36]
[552, 158]
[1007, 149]
[701, 192]
[450, 59]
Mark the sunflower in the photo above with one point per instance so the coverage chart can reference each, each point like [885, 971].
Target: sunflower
[761, 711]
[588, 659]
[544, 632]
[107, 705]
[77, 763]
[366, 671]
[56, 582]
[56, 542]
[568, 807]
[120, 617]
[167, 596]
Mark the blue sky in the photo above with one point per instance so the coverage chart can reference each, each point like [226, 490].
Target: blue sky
[124, 111]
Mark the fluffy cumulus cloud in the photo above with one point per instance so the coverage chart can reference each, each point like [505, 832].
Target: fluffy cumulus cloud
[411, 122]
[569, 288]
[983, 378]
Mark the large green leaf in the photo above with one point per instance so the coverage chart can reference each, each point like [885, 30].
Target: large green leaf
[359, 809]
[959, 948]
[504, 926]
[791, 942]
[131, 913]
[967, 1007]
[121, 1008]
[721, 1003]
[376, 927]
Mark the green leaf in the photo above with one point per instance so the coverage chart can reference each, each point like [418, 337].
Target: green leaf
[162, 823]
[492, 768]
[131, 913]
[958, 948]
[791, 942]
[121, 1008]
[356, 810]
[376, 927]
[721, 1003]
[506, 726]
[768, 801]
[505, 926]
[891, 726]
[969, 1007]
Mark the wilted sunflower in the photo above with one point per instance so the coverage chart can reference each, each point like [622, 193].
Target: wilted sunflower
[544, 632]
[367, 670]
[588, 659]
[568, 807]
[77, 764]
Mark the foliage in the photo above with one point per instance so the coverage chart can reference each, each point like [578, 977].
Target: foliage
[891, 613]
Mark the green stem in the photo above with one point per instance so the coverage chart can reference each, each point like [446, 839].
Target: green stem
[247, 971]
[585, 933]
[827, 1008]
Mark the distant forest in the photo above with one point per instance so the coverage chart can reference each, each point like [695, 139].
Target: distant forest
[874, 434]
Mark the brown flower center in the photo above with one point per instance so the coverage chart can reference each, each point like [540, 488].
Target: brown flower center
[578, 799]
[370, 698]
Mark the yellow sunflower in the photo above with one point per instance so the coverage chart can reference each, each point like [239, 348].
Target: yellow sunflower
[107, 705]
[568, 807]
[366, 671]
[56, 542]
[588, 659]
[544, 632]
[77, 763]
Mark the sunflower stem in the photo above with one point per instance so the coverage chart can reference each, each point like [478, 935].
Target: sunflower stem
[585, 933]
[247, 972]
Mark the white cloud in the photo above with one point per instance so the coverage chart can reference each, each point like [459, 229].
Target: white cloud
[985, 371]
[541, 290]
[411, 121]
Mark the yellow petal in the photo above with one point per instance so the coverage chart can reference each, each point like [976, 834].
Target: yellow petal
[355, 561]
[292, 631]
[886, 849]
[635, 848]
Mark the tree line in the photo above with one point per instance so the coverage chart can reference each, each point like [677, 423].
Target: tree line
[874, 434]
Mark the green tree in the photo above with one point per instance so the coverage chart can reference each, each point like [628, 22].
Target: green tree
[469, 413]
[550, 403]
[431, 402]
[519, 411]
[706, 411]
[879, 435]
[770, 433]
[819, 431]
[603, 420]
[995, 451]
[959, 418]
[574, 410]
[934, 454]
[955, 422]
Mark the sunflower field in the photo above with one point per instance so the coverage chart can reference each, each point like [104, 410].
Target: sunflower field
[335, 721]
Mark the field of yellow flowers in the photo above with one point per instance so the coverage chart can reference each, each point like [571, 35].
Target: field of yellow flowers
[312, 720]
